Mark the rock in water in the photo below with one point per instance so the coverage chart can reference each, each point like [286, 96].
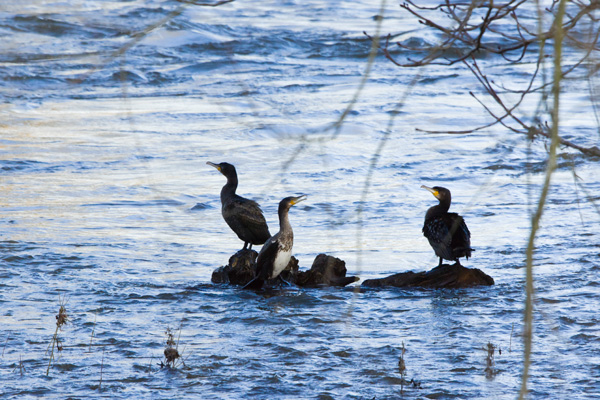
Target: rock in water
[444, 276]
[239, 270]
[241, 266]
[325, 271]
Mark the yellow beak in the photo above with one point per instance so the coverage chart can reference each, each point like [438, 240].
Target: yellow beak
[432, 190]
[214, 165]
[298, 199]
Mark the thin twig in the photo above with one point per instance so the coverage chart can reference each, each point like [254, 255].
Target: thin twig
[93, 330]
[101, 369]
[471, 35]
[5, 343]
[551, 166]
[510, 338]
[52, 350]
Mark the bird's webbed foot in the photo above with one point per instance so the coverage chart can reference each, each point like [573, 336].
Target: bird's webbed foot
[284, 281]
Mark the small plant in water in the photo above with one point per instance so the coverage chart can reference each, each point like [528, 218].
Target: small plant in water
[402, 371]
[402, 368]
[490, 371]
[172, 356]
[21, 366]
[61, 319]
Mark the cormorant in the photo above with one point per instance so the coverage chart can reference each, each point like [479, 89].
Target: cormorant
[243, 216]
[447, 232]
[275, 255]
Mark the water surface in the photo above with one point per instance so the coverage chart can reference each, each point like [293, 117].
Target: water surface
[107, 206]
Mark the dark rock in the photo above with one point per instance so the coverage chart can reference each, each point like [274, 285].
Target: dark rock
[445, 276]
[325, 271]
[239, 270]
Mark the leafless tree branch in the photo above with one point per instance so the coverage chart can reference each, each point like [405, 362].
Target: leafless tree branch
[470, 37]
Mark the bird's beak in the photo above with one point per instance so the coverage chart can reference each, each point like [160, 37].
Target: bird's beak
[432, 190]
[214, 165]
[298, 199]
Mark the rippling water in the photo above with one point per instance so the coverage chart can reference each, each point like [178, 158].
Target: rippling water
[108, 207]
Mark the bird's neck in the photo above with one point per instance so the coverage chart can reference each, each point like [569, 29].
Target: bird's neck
[440, 209]
[285, 228]
[230, 187]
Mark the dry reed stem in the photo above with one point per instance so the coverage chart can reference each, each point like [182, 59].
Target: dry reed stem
[510, 338]
[150, 364]
[535, 223]
[490, 371]
[5, 343]
[21, 366]
[93, 330]
[101, 368]
[171, 352]
[61, 319]
[402, 368]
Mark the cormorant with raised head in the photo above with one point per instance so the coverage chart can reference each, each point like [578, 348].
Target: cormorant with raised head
[275, 255]
[447, 232]
[243, 216]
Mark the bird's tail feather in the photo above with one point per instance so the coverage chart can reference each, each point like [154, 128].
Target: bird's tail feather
[254, 284]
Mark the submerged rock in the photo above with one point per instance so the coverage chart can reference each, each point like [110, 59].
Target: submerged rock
[325, 271]
[445, 276]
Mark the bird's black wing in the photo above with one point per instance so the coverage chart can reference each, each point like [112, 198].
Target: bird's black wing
[266, 258]
[264, 264]
[436, 231]
[246, 219]
[461, 237]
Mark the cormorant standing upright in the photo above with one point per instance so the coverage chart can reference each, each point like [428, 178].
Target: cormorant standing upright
[243, 216]
[447, 232]
[275, 255]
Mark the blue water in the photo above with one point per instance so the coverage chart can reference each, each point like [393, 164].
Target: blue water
[108, 207]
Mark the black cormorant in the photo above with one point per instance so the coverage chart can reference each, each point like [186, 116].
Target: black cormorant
[275, 255]
[447, 232]
[243, 216]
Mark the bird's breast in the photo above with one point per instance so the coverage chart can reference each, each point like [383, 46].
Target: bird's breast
[282, 259]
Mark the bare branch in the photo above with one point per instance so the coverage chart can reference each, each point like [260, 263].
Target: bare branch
[472, 36]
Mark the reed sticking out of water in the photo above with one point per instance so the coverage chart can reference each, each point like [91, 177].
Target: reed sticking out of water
[5, 343]
[173, 358]
[402, 368]
[402, 371]
[171, 352]
[20, 366]
[101, 369]
[93, 330]
[510, 339]
[490, 371]
[150, 364]
[61, 319]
